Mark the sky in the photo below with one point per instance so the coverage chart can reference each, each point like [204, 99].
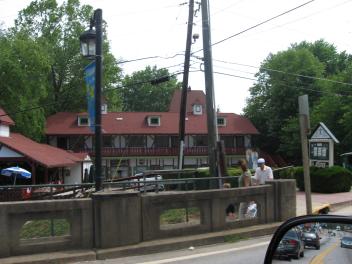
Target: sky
[157, 28]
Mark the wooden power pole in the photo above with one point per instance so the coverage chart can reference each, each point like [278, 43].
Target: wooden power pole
[183, 106]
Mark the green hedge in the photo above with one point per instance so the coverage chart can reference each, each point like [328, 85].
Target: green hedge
[323, 180]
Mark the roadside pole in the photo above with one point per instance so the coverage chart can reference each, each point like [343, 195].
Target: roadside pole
[305, 128]
[185, 85]
[210, 96]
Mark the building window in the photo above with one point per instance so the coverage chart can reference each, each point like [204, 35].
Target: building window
[83, 121]
[240, 141]
[108, 141]
[135, 141]
[197, 109]
[200, 141]
[76, 143]
[229, 141]
[175, 141]
[161, 141]
[154, 120]
[221, 121]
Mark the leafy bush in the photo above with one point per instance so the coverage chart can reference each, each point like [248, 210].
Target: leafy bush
[325, 180]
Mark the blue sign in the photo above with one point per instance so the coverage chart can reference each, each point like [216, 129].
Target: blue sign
[89, 76]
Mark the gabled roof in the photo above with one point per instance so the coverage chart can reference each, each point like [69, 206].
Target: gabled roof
[324, 133]
[43, 154]
[4, 118]
[129, 123]
[193, 97]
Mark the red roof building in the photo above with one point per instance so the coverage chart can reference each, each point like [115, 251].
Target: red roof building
[135, 141]
[17, 149]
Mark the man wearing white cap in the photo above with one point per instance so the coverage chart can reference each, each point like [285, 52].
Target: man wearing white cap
[262, 173]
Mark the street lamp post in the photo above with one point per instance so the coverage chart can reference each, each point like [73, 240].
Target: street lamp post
[91, 47]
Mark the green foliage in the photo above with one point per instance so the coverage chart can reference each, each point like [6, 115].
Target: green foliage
[41, 65]
[273, 102]
[179, 215]
[42, 228]
[23, 67]
[140, 95]
[325, 180]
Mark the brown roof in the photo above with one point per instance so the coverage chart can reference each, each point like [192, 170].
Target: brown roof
[4, 118]
[127, 123]
[193, 97]
[46, 155]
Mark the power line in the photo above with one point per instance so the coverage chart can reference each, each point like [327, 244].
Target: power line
[288, 73]
[284, 84]
[151, 57]
[259, 24]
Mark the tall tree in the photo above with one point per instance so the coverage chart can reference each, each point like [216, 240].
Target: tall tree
[273, 101]
[57, 29]
[148, 90]
[23, 70]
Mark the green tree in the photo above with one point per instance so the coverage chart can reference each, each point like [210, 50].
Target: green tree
[301, 69]
[23, 69]
[57, 28]
[273, 99]
[140, 94]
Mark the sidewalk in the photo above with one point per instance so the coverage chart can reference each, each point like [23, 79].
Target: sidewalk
[336, 200]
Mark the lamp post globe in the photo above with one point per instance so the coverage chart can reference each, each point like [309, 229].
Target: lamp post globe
[88, 43]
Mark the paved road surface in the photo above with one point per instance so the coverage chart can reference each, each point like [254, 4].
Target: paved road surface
[246, 251]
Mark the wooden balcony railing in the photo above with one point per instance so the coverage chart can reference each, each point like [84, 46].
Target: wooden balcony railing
[190, 151]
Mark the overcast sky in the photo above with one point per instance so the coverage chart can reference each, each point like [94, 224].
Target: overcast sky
[141, 28]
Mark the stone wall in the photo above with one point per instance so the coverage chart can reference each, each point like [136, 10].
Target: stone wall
[115, 218]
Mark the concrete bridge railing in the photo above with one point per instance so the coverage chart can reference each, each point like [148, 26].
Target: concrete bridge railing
[111, 219]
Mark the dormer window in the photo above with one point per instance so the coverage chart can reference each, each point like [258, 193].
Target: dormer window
[83, 121]
[153, 120]
[221, 121]
[197, 109]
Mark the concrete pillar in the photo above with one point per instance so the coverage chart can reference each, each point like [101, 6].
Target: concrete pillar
[117, 218]
[284, 199]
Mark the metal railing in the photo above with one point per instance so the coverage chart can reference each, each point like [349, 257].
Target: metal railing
[145, 182]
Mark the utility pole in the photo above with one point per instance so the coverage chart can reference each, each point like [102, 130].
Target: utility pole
[304, 128]
[209, 91]
[183, 106]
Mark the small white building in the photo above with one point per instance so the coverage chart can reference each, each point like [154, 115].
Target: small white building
[47, 164]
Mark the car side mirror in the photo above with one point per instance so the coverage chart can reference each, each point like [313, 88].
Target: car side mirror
[287, 236]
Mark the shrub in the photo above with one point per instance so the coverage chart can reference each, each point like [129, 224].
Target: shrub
[325, 180]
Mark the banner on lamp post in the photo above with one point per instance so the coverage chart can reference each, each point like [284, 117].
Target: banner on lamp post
[89, 76]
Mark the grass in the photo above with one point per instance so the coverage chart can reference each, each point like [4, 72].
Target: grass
[175, 216]
[42, 228]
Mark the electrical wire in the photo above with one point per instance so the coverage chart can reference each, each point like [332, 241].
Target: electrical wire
[287, 73]
[288, 86]
[259, 24]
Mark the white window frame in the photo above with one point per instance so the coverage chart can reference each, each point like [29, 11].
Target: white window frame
[79, 121]
[154, 117]
[197, 109]
[219, 118]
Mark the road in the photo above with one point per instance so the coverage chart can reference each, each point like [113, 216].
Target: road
[245, 251]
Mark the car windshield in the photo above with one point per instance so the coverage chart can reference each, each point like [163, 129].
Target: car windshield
[291, 234]
[347, 238]
[310, 235]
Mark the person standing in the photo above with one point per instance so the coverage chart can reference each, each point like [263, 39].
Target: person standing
[244, 181]
[262, 173]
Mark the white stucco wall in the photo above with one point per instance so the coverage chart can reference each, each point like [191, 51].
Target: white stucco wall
[75, 175]
[4, 131]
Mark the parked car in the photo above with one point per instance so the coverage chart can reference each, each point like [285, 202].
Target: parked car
[346, 242]
[147, 183]
[290, 246]
[311, 239]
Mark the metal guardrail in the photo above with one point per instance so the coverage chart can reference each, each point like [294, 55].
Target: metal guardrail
[143, 183]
